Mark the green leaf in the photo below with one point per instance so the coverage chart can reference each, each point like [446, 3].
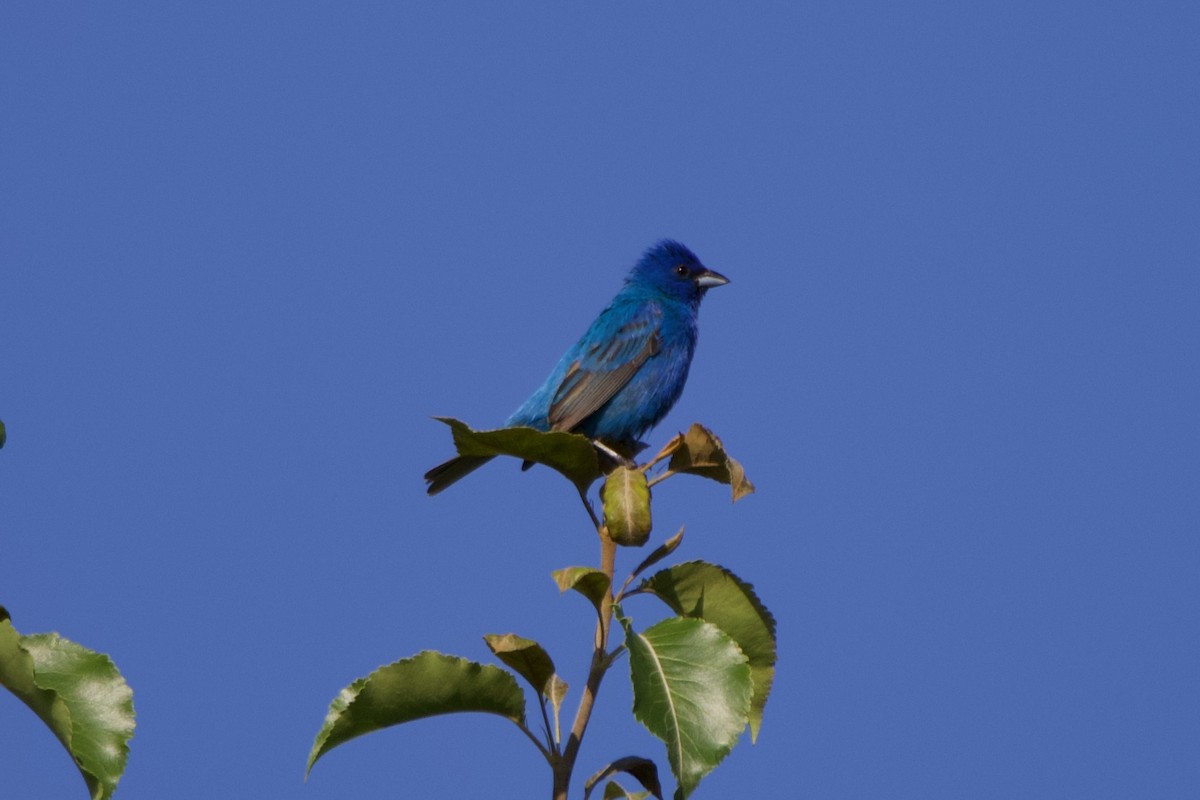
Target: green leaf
[626, 499]
[425, 685]
[556, 690]
[615, 791]
[700, 452]
[716, 595]
[571, 454]
[80, 696]
[525, 656]
[591, 583]
[691, 688]
[643, 769]
[662, 551]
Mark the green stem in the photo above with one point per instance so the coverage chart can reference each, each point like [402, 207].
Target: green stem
[565, 765]
[541, 747]
[551, 737]
[659, 478]
[587, 504]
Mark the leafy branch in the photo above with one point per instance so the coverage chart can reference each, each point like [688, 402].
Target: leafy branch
[699, 678]
[78, 694]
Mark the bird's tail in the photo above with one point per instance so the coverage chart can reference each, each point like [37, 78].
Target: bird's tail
[450, 471]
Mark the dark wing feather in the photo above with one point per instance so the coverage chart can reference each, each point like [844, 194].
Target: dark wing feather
[603, 368]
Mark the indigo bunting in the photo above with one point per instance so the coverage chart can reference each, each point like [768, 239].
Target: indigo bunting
[627, 370]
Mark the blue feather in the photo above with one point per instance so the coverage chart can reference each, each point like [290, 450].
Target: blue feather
[628, 369]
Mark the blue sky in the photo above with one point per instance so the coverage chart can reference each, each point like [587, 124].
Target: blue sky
[248, 252]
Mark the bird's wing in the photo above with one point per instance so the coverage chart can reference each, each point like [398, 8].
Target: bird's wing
[604, 366]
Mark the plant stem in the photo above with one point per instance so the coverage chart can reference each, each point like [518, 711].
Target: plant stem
[565, 765]
[662, 476]
[551, 737]
[587, 504]
[545, 752]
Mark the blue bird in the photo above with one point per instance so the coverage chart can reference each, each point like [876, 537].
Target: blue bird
[627, 370]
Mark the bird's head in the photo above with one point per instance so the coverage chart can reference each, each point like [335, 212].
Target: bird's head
[670, 268]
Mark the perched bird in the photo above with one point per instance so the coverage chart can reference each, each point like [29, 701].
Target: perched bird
[627, 370]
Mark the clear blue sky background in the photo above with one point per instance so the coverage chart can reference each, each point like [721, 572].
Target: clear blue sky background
[249, 249]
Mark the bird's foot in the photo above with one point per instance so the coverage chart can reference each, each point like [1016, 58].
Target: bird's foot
[613, 454]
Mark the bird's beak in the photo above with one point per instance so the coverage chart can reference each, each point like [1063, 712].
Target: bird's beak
[708, 279]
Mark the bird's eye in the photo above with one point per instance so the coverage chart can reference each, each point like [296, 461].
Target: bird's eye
[681, 271]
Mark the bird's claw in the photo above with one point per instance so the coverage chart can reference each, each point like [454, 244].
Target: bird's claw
[613, 454]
